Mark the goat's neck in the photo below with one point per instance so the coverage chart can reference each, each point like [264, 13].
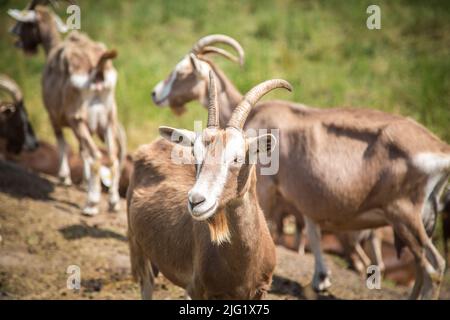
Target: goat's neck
[228, 95]
[246, 223]
[50, 37]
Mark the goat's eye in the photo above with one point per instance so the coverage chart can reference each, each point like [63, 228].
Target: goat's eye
[237, 160]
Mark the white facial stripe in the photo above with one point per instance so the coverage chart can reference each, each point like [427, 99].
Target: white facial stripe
[199, 153]
[212, 177]
[210, 184]
[163, 89]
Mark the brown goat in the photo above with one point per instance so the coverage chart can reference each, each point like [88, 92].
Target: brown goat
[188, 81]
[343, 169]
[218, 246]
[78, 86]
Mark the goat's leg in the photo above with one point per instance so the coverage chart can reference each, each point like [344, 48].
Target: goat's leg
[112, 148]
[445, 231]
[362, 256]
[86, 168]
[321, 279]
[91, 157]
[429, 264]
[141, 269]
[437, 272]
[348, 241]
[300, 237]
[63, 151]
[375, 248]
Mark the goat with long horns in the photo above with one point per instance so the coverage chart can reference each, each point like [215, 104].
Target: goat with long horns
[201, 245]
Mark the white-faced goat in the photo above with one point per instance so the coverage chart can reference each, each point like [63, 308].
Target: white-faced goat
[189, 81]
[15, 128]
[78, 88]
[201, 225]
[342, 169]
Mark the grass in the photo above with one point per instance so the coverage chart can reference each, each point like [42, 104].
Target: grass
[322, 47]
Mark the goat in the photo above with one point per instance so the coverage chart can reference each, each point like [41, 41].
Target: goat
[188, 81]
[15, 128]
[218, 246]
[78, 86]
[342, 168]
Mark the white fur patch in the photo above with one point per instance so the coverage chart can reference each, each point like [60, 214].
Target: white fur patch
[79, 81]
[163, 89]
[431, 162]
[110, 78]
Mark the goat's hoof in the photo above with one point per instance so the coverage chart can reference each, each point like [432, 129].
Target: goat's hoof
[114, 207]
[65, 181]
[321, 282]
[90, 210]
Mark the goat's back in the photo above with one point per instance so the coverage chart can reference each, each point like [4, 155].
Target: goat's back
[158, 218]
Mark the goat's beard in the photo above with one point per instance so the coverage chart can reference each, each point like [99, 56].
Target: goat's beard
[218, 228]
[178, 109]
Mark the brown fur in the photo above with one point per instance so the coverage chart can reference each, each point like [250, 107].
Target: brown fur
[162, 232]
[67, 105]
[337, 164]
[270, 114]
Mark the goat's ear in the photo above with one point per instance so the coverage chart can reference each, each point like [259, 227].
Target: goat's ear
[28, 16]
[180, 136]
[195, 62]
[264, 143]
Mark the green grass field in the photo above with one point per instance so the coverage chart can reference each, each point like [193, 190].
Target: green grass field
[322, 47]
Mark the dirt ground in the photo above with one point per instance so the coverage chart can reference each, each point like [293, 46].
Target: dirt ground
[42, 233]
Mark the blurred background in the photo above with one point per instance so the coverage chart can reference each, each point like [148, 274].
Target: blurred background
[322, 47]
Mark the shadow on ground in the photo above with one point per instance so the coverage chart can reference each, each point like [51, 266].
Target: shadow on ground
[19, 183]
[285, 286]
[78, 231]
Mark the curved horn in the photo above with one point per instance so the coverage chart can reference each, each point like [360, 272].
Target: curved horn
[54, 3]
[199, 47]
[213, 106]
[222, 52]
[11, 87]
[241, 112]
[26, 16]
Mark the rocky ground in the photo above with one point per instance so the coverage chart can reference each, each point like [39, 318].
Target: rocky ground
[42, 234]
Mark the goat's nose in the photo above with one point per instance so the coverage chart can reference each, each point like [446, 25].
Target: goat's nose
[196, 199]
[153, 95]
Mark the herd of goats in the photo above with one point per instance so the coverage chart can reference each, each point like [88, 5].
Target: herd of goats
[204, 224]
